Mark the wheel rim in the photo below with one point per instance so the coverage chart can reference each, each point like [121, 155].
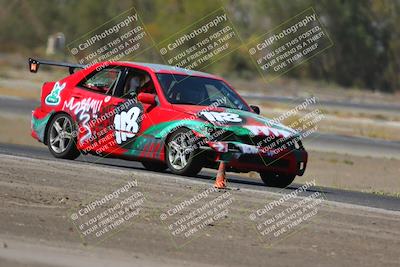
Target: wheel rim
[60, 134]
[179, 151]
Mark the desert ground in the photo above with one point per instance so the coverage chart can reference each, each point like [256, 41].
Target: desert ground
[38, 196]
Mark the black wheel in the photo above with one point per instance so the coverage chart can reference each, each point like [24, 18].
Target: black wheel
[276, 180]
[60, 137]
[154, 166]
[182, 155]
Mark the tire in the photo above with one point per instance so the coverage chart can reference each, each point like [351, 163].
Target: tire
[277, 180]
[60, 138]
[182, 156]
[154, 166]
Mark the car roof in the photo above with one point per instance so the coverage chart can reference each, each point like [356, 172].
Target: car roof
[160, 68]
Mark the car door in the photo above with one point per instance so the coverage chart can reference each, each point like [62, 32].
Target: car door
[131, 118]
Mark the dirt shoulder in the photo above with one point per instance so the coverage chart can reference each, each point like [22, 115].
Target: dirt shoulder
[16, 129]
[366, 174]
[38, 197]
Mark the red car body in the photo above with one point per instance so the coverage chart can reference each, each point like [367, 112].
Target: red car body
[98, 129]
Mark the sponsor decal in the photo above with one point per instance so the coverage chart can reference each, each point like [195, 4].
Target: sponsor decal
[221, 117]
[264, 130]
[247, 149]
[53, 99]
[126, 124]
[219, 146]
[84, 109]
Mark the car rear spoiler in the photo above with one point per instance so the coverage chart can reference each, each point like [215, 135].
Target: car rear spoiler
[35, 63]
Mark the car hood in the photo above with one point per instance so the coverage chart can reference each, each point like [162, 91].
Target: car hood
[238, 121]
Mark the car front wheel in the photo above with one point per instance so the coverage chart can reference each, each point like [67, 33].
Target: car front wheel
[182, 156]
[276, 179]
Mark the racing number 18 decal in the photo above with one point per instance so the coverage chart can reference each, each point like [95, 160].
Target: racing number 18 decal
[126, 124]
[222, 117]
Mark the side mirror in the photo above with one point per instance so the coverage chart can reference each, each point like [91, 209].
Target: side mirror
[147, 98]
[256, 109]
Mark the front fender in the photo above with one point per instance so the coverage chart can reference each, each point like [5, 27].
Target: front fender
[163, 130]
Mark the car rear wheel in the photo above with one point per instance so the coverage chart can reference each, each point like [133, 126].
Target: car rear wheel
[154, 166]
[60, 138]
[182, 156]
[276, 179]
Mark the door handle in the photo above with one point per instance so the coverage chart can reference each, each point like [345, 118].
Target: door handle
[77, 95]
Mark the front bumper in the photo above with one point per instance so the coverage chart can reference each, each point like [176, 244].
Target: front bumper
[244, 158]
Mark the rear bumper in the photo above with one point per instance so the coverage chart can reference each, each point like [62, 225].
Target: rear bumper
[39, 122]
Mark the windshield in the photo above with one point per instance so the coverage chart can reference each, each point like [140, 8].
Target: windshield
[191, 90]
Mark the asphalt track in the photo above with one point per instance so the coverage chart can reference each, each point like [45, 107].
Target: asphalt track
[357, 146]
[318, 141]
[17, 105]
[23, 105]
[235, 181]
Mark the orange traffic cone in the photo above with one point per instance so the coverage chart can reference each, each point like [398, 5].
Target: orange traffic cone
[220, 181]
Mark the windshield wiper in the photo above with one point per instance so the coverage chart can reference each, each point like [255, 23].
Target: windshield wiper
[222, 106]
[185, 103]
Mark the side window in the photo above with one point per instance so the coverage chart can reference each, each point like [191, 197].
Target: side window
[103, 81]
[136, 82]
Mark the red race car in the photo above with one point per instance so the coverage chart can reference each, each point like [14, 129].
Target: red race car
[164, 117]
